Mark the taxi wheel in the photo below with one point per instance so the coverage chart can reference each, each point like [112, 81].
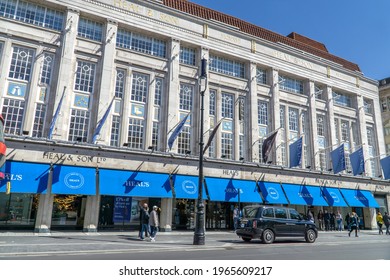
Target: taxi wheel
[310, 236]
[268, 236]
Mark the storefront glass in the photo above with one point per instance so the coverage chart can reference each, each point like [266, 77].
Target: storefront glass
[18, 210]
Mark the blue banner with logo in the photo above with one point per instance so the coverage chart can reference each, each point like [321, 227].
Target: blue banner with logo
[134, 183]
[74, 180]
[334, 197]
[359, 198]
[187, 187]
[304, 195]
[338, 159]
[25, 177]
[231, 190]
[272, 193]
[296, 153]
[357, 162]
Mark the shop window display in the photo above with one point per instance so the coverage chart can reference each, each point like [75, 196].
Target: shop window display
[18, 210]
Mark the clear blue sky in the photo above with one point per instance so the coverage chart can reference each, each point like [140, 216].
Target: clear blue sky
[356, 30]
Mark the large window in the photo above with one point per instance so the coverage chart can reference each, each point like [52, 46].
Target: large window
[291, 84]
[261, 76]
[185, 107]
[140, 43]
[21, 64]
[158, 96]
[90, 29]
[120, 82]
[79, 122]
[187, 55]
[342, 99]
[212, 112]
[227, 126]
[227, 66]
[13, 111]
[32, 13]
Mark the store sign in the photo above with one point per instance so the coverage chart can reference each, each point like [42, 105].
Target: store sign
[122, 209]
[273, 193]
[335, 197]
[189, 187]
[74, 180]
[72, 158]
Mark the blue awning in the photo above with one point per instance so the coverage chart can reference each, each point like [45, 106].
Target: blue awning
[272, 193]
[334, 197]
[134, 183]
[227, 190]
[304, 195]
[25, 177]
[74, 180]
[187, 187]
[359, 198]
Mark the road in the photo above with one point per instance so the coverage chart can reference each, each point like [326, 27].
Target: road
[178, 246]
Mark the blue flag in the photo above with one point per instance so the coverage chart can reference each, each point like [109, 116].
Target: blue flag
[296, 153]
[177, 131]
[357, 162]
[338, 159]
[53, 122]
[101, 122]
[385, 163]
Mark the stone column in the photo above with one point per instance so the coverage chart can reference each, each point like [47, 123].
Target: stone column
[67, 68]
[45, 208]
[252, 114]
[312, 122]
[91, 219]
[275, 109]
[361, 116]
[106, 88]
[331, 129]
[166, 214]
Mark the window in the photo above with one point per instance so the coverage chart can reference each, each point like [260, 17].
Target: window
[140, 43]
[90, 29]
[158, 94]
[120, 83]
[262, 111]
[187, 56]
[291, 84]
[85, 76]
[21, 63]
[280, 213]
[140, 87]
[135, 133]
[212, 106]
[241, 116]
[294, 214]
[79, 122]
[226, 66]
[115, 131]
[39, 119]
[268, 213]
[13, 111]
[261, 76]
[367, 103]
[293, 121]
[384, 104]
[227, 126]
[32, 14]
[47, 68]
[185, 107]
[342, 99]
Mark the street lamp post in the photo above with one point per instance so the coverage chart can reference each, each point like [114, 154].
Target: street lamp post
[199, 234]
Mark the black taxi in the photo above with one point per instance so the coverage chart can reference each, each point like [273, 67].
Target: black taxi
[269, 222]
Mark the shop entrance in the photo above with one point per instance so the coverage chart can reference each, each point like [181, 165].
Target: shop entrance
[68, 212]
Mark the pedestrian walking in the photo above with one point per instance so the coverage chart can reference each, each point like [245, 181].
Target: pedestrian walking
[332, 221]
[144, 218]
[348, 221]
[320, 218]
[353, 224]
[153, 223]
[236, 217]
[379, 221]
[327, 220]
[386, 220]
[339, 221]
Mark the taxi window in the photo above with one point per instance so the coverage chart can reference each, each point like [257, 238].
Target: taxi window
[268, 212]
[294, 214]
[280, 213]
[249, 212]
